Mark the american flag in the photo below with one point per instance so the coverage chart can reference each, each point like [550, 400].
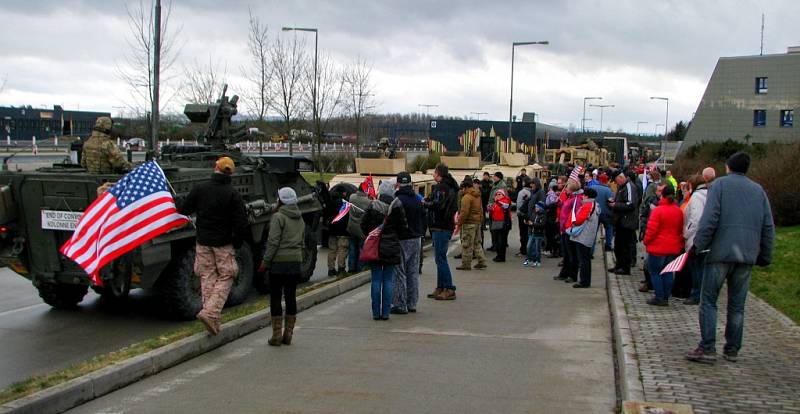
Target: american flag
[136, 209]
[343, 210]
[676, 265]
[576, 173]
[370, 187]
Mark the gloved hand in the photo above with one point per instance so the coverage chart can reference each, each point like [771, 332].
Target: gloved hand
[262, 268]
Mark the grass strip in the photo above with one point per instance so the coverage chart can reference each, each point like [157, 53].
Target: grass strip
[779, 283]
[312, 177]
[38, 383]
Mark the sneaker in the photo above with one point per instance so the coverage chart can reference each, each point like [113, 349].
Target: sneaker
[730, 356]
[435, 293]
[537, 264]
[412, 310]
[657, 302]
[398, 311]
[701, 356]
[447, 294]
[690, 302]
[526, 263]
[480, 266]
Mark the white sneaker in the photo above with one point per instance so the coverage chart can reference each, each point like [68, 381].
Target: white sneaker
[527, 262]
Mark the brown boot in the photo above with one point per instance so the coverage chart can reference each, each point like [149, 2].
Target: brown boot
[277, 322]
[211, 325]
[464, 267]
[289, 329]
[447, 294]
[480, 266]
[435, 293]
[643, 288]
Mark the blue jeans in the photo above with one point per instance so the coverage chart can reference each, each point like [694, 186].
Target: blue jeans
[662, 284]
[382, 285]
[535, 247]
[608, 227]
[444, 279]
[356, 244]
[695, 264]
[714, 275]
[406, 278]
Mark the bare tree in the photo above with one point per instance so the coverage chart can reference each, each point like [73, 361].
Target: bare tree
[203, 83]
[259, 71]
[359, 93]
[137, 69]
[288, 61]
[330, 94]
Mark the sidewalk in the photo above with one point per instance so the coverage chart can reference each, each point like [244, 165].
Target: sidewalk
[764, 379]
[515, 340]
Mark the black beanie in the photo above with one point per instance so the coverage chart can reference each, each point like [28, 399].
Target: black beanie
[739, 162]
[499, 175]
[590, 192]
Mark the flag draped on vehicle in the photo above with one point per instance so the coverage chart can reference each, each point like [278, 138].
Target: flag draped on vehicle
[136, 209]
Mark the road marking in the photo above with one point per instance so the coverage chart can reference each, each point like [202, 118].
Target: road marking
[22, 309]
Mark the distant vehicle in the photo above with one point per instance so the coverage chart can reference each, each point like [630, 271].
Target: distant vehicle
[136, 144]
[617, 150]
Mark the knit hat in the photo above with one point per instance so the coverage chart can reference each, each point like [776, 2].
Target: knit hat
[287, 195]
[499, 175]
[386, 187]
[226, 165]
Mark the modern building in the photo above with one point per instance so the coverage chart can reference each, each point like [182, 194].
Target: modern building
[24, 122]
[750, 98]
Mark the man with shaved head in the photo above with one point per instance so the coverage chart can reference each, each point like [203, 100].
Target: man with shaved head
[709, 174]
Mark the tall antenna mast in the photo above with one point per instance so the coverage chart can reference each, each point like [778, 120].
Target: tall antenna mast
[762, 34]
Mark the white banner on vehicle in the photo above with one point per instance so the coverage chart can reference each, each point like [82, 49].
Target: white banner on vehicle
[60, 220]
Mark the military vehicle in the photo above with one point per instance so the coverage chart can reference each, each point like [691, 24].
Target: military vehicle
[584, 154]
[38, 210]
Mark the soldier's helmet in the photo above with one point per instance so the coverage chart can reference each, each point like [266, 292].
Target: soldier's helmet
[103, 124]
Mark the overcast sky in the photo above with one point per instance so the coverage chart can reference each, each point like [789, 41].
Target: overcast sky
[453, 54]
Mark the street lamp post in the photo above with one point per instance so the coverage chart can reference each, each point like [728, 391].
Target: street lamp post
[583, 120]
[511, 99]
[602, 107]
[479, 114]
[666, 118]
[314, 86]
[637, 125]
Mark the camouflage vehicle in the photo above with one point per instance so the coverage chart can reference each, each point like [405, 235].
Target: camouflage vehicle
[39, 209]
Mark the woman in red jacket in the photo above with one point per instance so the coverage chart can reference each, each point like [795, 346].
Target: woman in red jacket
[664, 241]
[500, 216]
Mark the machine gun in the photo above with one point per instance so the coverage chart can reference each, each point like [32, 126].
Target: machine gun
[219, 131]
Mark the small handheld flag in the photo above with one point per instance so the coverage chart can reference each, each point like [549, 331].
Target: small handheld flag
[576, 173]
[676, 265]
[343, 210]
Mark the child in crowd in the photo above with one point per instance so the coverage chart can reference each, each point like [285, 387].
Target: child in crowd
[538, 221]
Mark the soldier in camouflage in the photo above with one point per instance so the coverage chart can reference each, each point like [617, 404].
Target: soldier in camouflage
[100, 154]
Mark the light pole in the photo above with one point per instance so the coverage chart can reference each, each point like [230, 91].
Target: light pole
[666, 118]
[479, 114]
[583, 120]
[637, 125]
[602, 107]
[314, 86]
[511, 99]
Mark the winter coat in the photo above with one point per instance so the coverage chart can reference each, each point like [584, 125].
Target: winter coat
[285, 242]
[390, 210]
[501, 211]
[338, 228]
[415, 214]
[486, 189]
[565, 216]
[603, 195]
[624, 208]
[523, 196]
[443, 204]
[360, 200]
[736, 225]
[221, 217]
[589, 214]
[664, 236]
[692, 213]
[471, 211]
[529, 207]
[496, 186]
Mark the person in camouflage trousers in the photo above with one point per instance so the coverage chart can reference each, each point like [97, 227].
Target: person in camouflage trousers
[100, 153]
[470, 216]
[221, 229]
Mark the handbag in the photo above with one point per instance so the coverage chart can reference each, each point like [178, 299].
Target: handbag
[371, 250]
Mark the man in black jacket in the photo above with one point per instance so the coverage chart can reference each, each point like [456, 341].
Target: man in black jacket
[221, 227]
[406, 276]
[626, 220]
[442, 204]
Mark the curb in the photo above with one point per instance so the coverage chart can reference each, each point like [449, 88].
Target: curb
[80, 390]
[630, 384]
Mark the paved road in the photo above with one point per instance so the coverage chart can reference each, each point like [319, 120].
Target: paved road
[37, 339]
[513, 341]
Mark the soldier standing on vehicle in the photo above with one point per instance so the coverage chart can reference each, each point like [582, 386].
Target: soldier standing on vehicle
[100, 154]
[221, 226]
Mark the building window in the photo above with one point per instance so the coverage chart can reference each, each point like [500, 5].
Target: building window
[759, 118]
[787, 118]
[761, 85]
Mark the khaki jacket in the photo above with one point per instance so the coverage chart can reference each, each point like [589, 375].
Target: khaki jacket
[471, 211]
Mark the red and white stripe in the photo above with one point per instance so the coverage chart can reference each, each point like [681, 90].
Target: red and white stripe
[343, 210]
[676, 265]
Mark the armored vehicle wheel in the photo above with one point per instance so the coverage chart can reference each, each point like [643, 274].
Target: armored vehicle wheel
[61, 295]
[179, 288]
[243, 284]
[117, 284]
